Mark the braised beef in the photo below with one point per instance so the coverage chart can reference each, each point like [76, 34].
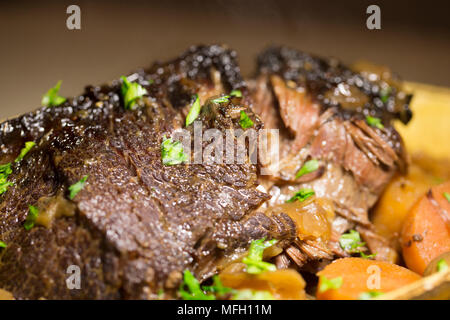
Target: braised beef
[320, 107]
[137, 224]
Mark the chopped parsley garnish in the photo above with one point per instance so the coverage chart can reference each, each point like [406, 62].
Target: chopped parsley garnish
[236, 93]
[308, 167]
[77, 186]
[5, 171]
[254, 259]
[24, 151]
[33, 213]
[131, 92]
[446, 196]
[190, 289]
[245, 121]
[193, 292]
[3, 245]
[385, 93]
[217, 287]
[368, 256]
[328, 284]
[374, 122]
[194, 111]
[222, 99]
[172, 152]
[370, 295]
[6, 168]
[442, 265]
[351, 241]
[248, 294]
[52, 98]
[4, 184]
[301, 195]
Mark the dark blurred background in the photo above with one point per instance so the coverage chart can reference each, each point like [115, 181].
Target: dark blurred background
[118, 36]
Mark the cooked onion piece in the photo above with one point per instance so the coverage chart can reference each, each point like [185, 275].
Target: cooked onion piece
[285, 284]
[312, 217]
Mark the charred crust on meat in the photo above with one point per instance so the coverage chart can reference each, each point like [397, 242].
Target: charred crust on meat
[320, 75]
[183, 76]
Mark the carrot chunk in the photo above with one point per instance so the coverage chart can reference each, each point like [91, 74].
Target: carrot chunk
[282, 284]
[426, 229]
[357, 278]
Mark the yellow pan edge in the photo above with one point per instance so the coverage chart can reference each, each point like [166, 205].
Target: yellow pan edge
[429, 130]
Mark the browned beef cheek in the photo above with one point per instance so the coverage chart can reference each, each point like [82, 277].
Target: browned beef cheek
[137, 224]
[320, 108]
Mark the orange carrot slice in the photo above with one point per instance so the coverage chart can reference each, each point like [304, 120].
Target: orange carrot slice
[284, 284]
[426, 229]
[350, 278]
